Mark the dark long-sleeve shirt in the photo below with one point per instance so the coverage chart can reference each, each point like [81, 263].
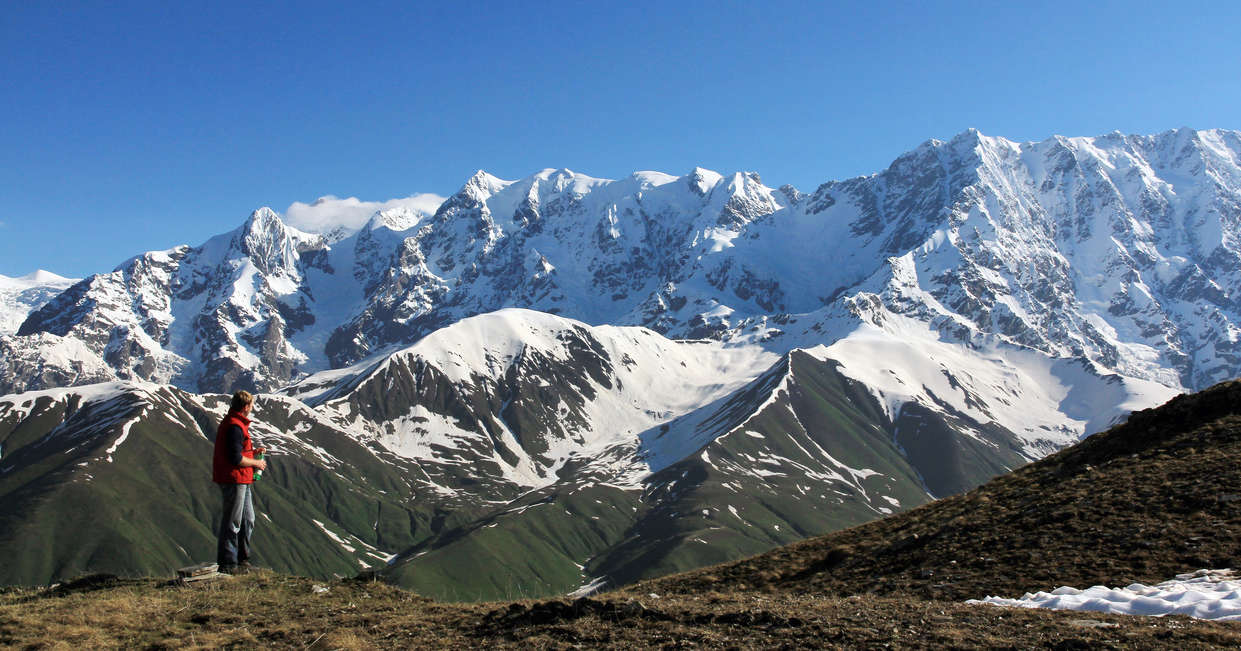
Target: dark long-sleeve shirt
[236, 443]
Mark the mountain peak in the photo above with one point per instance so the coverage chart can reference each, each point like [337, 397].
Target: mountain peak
[555, 173]
[44, 277]
[271, 244]
[970, 139]
[263, 219]
[398, 219]
[701, 180]
[648, 178]
[560, 180]
[483, 185]
[741, 179]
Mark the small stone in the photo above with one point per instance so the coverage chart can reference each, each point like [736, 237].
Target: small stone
[1092, 623]
[633, 609]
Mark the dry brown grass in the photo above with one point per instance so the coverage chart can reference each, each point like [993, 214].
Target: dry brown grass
[271, 611]
[262, 609]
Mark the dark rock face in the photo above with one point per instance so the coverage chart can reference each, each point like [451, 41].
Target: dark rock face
[58, 315]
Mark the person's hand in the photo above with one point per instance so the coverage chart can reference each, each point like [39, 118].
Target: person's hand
[261, 450]
[260, 464]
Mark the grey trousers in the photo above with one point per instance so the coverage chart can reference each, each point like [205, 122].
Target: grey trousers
[236, 524]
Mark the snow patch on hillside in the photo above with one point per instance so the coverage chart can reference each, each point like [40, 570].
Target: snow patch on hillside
[1048, 403]
[1205, 594]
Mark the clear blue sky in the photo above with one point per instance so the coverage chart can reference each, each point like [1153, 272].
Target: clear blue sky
[127, 127]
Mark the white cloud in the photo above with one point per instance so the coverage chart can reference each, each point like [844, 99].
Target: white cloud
[329, 212]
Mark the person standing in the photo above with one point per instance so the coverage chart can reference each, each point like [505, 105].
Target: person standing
[233, 469]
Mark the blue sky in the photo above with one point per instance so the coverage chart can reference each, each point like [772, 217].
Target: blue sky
[128, 127]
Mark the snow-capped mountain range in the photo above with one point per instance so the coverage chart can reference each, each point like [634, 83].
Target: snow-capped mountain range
[667, 344]
[1122, 250]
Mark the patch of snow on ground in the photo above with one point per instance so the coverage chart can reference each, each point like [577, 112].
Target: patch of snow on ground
[1205, 594]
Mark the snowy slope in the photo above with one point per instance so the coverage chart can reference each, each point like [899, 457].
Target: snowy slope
[558, 391]
[42, 359]
[24, 294]
[1119, 250]
[1047, 402]
[253, 307]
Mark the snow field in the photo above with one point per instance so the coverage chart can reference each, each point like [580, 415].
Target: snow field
[1047, 402]
[19, 296]
[1205, 594]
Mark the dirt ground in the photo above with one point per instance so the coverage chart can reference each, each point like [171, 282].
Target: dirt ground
[273, 611]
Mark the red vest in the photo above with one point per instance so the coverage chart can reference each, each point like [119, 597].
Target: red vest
[222, 470]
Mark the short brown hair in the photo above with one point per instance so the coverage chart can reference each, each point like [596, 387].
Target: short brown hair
[240, 400]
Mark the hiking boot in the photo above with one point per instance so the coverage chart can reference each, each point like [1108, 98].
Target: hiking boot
[245, 567]
[227, 569]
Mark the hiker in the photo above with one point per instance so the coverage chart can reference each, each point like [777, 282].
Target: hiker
[233, 469]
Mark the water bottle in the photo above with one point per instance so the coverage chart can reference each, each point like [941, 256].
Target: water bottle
[258, 474]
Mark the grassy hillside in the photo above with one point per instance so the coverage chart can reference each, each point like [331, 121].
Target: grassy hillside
[75, 499]
[1155, 497]
[1142, 502]
[800, 452]
[119, 482]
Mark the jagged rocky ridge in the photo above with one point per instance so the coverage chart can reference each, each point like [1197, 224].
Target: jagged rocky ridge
[1120, 250]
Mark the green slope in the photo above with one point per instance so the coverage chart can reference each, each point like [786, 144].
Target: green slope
[66, 508]
[122, 485]
[802, 451]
